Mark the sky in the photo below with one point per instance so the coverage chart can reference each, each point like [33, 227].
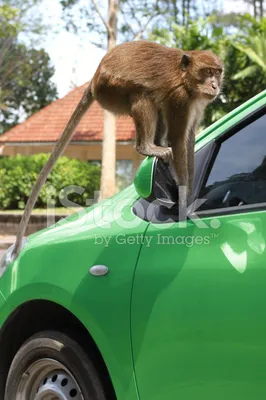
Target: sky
[75, 59]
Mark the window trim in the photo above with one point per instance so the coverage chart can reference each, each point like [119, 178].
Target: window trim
[199, 177]
[256, 114]
[231, 210]
[217, 145]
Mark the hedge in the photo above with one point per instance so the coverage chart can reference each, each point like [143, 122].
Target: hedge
[18, 174]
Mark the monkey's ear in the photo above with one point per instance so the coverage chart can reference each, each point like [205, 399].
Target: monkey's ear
[186, 59]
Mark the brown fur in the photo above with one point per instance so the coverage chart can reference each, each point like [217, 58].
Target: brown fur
[149, 81]
[155, 85]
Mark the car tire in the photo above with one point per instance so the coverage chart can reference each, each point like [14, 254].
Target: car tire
[50, 361]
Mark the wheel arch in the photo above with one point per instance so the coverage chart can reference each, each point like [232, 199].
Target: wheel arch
[37, 315]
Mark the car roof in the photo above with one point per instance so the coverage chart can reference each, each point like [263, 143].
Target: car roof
[230, 119]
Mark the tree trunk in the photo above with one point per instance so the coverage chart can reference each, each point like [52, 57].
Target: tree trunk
[175, 11]
[108, 156]
[109, 124]
[255, 8]
[184, 12]
[261, 9]
[188, 10]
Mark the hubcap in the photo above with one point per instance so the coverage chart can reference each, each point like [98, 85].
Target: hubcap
[48, 379]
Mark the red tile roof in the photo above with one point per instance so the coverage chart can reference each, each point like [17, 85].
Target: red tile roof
[47, 124]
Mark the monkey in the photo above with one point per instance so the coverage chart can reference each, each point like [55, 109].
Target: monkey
[154, 84]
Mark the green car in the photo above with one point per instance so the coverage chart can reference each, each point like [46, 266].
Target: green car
[127, 300]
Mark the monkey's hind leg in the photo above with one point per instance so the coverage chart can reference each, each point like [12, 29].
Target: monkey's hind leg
[161, 135]
[177, 133]
[145, 116]
[190, 158]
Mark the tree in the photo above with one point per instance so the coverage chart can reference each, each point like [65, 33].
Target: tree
[27, 17]
[255, 50]
[180, 12]
[109, 123]
[25, 73]
[258, 7]
[135, 18]
[251, 42]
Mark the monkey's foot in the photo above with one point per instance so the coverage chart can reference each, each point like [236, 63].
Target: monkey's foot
[165, 153]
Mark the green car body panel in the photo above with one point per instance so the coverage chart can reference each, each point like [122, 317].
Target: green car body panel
[198, 311]
[55, 265]
[171, 321]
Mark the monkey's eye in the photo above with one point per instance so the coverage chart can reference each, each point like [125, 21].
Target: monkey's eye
[217, 72]
[208, 72]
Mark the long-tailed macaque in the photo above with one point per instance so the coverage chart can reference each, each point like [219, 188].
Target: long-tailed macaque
[145, 79]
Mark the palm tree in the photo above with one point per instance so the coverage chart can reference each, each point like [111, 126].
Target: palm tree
[255, 50]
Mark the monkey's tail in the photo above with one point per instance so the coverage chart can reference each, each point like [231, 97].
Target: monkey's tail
[84, 104]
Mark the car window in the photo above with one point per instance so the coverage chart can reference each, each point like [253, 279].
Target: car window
[238, 174]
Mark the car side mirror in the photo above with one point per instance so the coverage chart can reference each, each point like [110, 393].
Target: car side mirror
[154, 181]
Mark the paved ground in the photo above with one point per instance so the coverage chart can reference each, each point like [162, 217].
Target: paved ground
[1, 253]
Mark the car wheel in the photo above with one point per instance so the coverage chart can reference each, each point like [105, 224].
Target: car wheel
[52, 366]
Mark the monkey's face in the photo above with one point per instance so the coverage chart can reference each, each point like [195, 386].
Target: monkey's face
[209, 82]
[203, 74]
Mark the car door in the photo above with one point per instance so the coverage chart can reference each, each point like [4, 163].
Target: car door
[199, 294]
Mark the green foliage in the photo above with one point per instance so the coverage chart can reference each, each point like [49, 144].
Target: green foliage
[243, 54]
[25, 72]
[25, 85]
[254, 47]
[13, 26]
[26, 18]
[19, 173]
